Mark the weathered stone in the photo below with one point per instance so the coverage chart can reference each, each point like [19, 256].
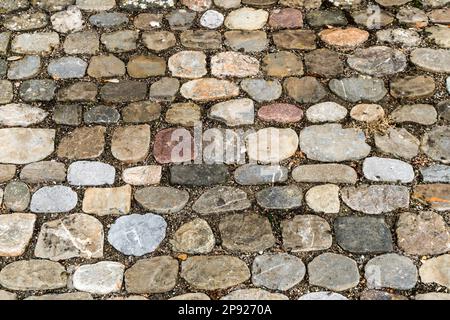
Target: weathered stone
[142, 67]
[252, 174]
[367, 112]
[372, 17]
[441, 16]
[254, 294]
[55, 199]
[8, 6]
[247, 41]
[6, 91]
[236, 112]
[286, 18]
[77, 92]
[272, 145]
[208, 89]
[280, 198]
[398, 142]
[440, 35]
[325, 173]
[358, 88]
[21, 115]
[295, 39]
[101, 115]
[7, 172]
[131, 144]
[282, 64]
[433, 296]
[444, 107]
[5, 38]
[387, 170]
[67, 21]
[324, 198]
[137, 234]
[398, 36]
[199, 175]
[185, 114]
[16, 196]
[377, 61]
[188, 64]
[37, 90]
[201, 39]
[106, 67]
[52, 5]
[324, 62]
[280, 112]
[306, 233]
[173, 145]
[69, 115]
[16, 231]
[123, 91]
[148, 21]
[326, 112]
[436, 144]
[45, 171]
[197, 5]
[344, 38]
[234, 64]
[432, 60]
[221, 199]
[7, 296]
[163, 200]
[246, 19]
[165, 89]
[436, 270]
[223, 146]
[227, 4]
[307, 4]
[137, 5]
[101, 278]
[143, 175]
[108, 19]
[120, 41]
[322, 295]
[107, 201]
[95, 5]
[191, 296]
[193, 237]
[262, 90]
[434, 173]
[413, 87]
[76, 235]
[35, 43]
[329, 17]
[26, 68]
[437, 196]
[141, 112]
[83, 143]
[380, 295]
[89, 173]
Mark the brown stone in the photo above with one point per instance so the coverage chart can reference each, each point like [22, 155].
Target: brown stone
[173, 145]
[286, 18]
[78, 92]
[344, 38]
[435, 195]
[141, 112]
[306, 233]
[124, 91]
[106, 67]
[282, 64]
[280, 112]
[107, 201]
[159, 40]
[413, 87]
[7, 172]
[295, 39]
[83, 143]
[131, 144]
[324, 62]
[146, 66]
[148, 21]
[305, 90]
[201, 39]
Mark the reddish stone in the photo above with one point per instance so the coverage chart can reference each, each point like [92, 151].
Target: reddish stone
[173, 145]
[280, 112]
[345, 38]
[287, 18]
[435, 195]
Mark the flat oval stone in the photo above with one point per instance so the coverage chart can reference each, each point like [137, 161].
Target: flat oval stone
[323, 198]
[199, 175]
[78, 92]
[344, 38]
[326, 112]
[432, 60]
[67, 21]
[55, 199]
[36, 90]
[212, 19]
[67, 68]
[378, 61]
[148, 232]
[322, 295]
[295, 39]
[247, 41]
[435, 195]
[282, 64]
[21, 115]
[277, 271]
[142, 175]
[363, 234]
[246, 19]
[194, 237]
[145, 66]
[234, 64]
[208, 89]
[107, 201]
[165, 89]
[286, 18]
[358, 88]
[188, 64]
[372, 17]
[141, 112]
[436, 144]
[254, 294]
[123, 91]
[162, 199]
[221, 199]
[436, 173]
[398, 142]
[252, 174]
[398, 36]
[387, 170]
[120, 41]
[17, 230]
[108, 19]
[44, 171]
[280, 112]
[214, 272]
[106, 66]
[413, 87]
[325, 173]
[101, 278]
[131, 144]
[280, 198]
[439, 35]
[159, 40]
[201, 39]
[26, 68]
[435, 270]
[262, 90]
[233, 113]
[329, 17]
[16, 196]
[77, 235]
[367, 112]
[42, 43]
[90, 173]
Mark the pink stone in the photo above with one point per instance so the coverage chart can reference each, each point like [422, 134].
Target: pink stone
[280, 112]
[173, 145]
[287, 18]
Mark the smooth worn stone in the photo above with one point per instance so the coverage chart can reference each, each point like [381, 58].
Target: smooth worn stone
[143, 175]
[367, 112]
[329, 17]
[221, 199]
[262, 90]
[26, 275]
[209, 89]
[277, 271]
[376, 199]
[83, 143]
[391, 271]
[380, 295]
[16, 230]
[173, 145]
[233, 113]
[45, 171]
[212, 19]
[313, 4]
[16, 196]
[441, 16]
[162, 200]
[254, 294]
[148, 21]
[435, 270]
[326, 112]
[195, 237]
[227, 4]
[377, 61]
[443, 107]
[399, 36]
[363, 234]
[246, 19]
[54, 199]
[69, 115]
[223, 146]
[37, 90]
[26, 21]
[197, 5]
[106, 66]
[214, 272]
[165, 89]
[141, 112]
[432, 60]
[21, 115]
[282, 64]
[323, 198]
[233, 64]
[131, 144]
[333, 271]
[96, 5]
[67, 21]
[436, 144]
[8, 6]
[78, 92]
[358, 88]
[432, 296]
[185, 114]
[201, 39]
[437, 196]
[154, 275]
[6, 91]
[433, 173]
[252, 174]
[391, 3]
[137, 5]
[332, 143]
[101, 115]
[5, 38]
[188, 64]
[22, 146]
[42, 43]
[259, 3]
[306, 233]
[120, 41]
[372, 17]
[246, 233]
[281, 113]
[124, 91]
[142, 67]
[5, 296]
[76, 235]
[90, 173]
[287, 18]
[181, 19]
[412, 17]
[107, 201]
[325, 173]
[295, 39]
[280, 197]
[324, 63]
[387, 170]
[199, 175]
[398, 142]
[101, 278]
[26, 68]
[440, 36]
[108, 19]
[82, 43]
[272, 145]
[67, 68]
[7, 172]
[344, 38]
[247, 41]
[137, 234]
[52, 5]
[191, 296]
[424, 233]
[3, 67]
[322, 295]
[418, 113]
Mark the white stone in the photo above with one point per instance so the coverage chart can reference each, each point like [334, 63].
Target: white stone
[90, 173]
[246, 19]
[272, 145]
[70, 20]
[326, 112]
[16, 230]
[21, 115]
[96, 5]
[324, 198]
[54, 199]
[100, 278]
[211, 19]
[387, 170]
[235, 112]
[144, 175]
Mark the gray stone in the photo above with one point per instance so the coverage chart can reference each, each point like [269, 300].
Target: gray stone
[412, 17]
[67, 21]
[69, 115]
[413, 87]
[233, 113]
[137, 5]
[6, 91]
[62, 296]
[377, 61]
[358, 89]
[280, 198]
[96, 5]
[162, 200]
[191, 296]
[45, 171]
[108, 19]
[322, 295]
[82, 43]
[417, 113]
[436, 173]
[253, 294]
[398, 142]
[436, 144]
[90, 173]
[277, 271]
[16, 196]
[212, 19]
[326, 112]
[262, 90]
[331, 17]
[247, 41]
[101, 278]
[21, 115]
[325, 173]
[42, 43]
[37, 90]
[26, 68]
[252, 174]
[165, 89]
[306, 233]
[3, 67]
[141, 112]
[124, 91]
[372, 17]
[387, 170]
[391, 271]
[16, 232]
[101, 115]
[54, 199]
[67, 68]
[363, 234]
[398, 36]
[443, 107]
[380, 295]
[440, 35]
[193, 237]
[221, 199]
[53, 5]
[120, 41]
[78, 92]
[432, 60]
[8, 6]
[137, 234]
[199, 175]
[181, 19]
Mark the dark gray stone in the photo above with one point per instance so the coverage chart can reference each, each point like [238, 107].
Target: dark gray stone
[281, 198]
[199, 175]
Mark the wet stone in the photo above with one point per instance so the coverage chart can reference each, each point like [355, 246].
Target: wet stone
[55, 199]
[69, 115]
[123, 91]
[248, 41]
[148, 21]
[141, 67]
[194, 237]
[101, 115]
[306, 233]
[332, 17]
[435, 173]
[147, 233]
[16, 196]
[21, 115]
[367, 112]
[295, 39]
[45, 171]
[108, 19]
[26, 68]
[78, 92]
[221, 199]
[357, 89]
[90, 173]
[280, 198]
[141, 112]
[107, 201]
[201, 39]
[101, 278]
[163, 200]
[398, 36]
[120, 41]
[432, 60]
[437, 196]
[185, 114]
[325, 173]
[280, 112]
[435, 270]
[17, 230]
[436, 144]
[250, 174]
[83, 143]
[262, 90]
[199, 175]
[165, 89]
[233, 113]
[282, 64]
[254, 294]
[323, 198]
[37, 90]
[387, 170]
[143, 175]
[398, 142]
[377, 61]
[324, 63]
[326, 112]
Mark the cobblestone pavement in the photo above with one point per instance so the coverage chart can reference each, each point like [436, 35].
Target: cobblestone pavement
[319, 134]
